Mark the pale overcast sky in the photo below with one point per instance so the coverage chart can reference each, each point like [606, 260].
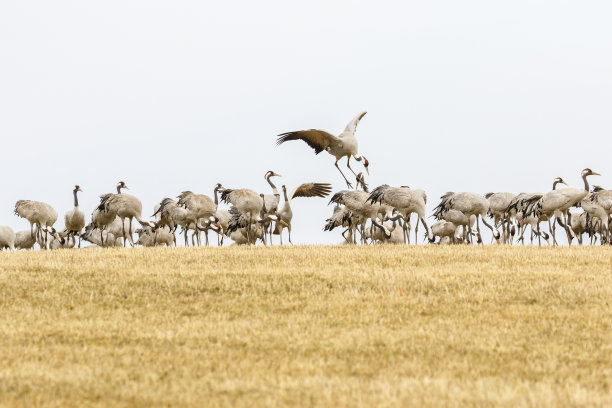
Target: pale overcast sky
[461, 96]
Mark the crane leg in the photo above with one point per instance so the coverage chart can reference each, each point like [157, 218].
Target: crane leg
[550, 229]
[348, 164]
[249, 231]
[478, 229]
[123, 230]
[348, 183]
[289, 232]
[130, 233]
[566, 221]
[427, 230]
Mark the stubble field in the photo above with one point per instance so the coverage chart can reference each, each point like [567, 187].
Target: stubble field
[307, 326]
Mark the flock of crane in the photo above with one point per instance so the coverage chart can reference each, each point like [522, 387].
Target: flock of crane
[380, 216]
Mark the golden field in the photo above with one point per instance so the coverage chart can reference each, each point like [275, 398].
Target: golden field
[307, 326]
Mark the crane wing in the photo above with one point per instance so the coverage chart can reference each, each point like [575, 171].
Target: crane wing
[603, 198]
[311, 190]
[319, 140]
[352, 126]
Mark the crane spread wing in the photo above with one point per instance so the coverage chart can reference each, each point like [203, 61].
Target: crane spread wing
[352, 126]
[311, 190]
[319, 140]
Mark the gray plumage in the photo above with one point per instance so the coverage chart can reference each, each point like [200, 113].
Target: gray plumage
[199, 207]
[405, 201]
[37, 213]
[343, 145]
[126, 207]
[286, 213]
[469, 204]
[101, 238]
[247, 202]
[7, 238]
[558, 201]
[24, 240]
[74, 220]
[341, 216]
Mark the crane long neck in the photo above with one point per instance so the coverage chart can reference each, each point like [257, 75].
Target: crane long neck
[555, 184]
[285, 195]
[586, 183]
[274, 189]
[119, 189]
[76, 200]
[216, 196]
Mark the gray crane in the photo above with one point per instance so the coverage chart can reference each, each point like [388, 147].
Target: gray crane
[271, 202]
[127, 207]
[37, 213]
[7, 238]
[286, 213]
[598, 204]
[170, 214]
[247, 202]
[74, 220]
[362, 210]
[498, 203]
[24, 240]
[405, 201]
[559, 201]
[343, 145]
[469, 204]
[199, 206]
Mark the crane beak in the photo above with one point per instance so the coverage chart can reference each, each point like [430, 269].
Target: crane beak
[594, 173]
[277, 175]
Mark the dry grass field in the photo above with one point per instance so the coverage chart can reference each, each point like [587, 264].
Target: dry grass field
[307, 326]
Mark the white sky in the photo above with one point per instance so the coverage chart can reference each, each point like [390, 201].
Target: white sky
[461, 96]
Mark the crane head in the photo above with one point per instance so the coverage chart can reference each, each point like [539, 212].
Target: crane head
[77, 188]
[361, 182]
[560, 180]
[366, 163]
[270, 173]
[589, 172]
[121, 184]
